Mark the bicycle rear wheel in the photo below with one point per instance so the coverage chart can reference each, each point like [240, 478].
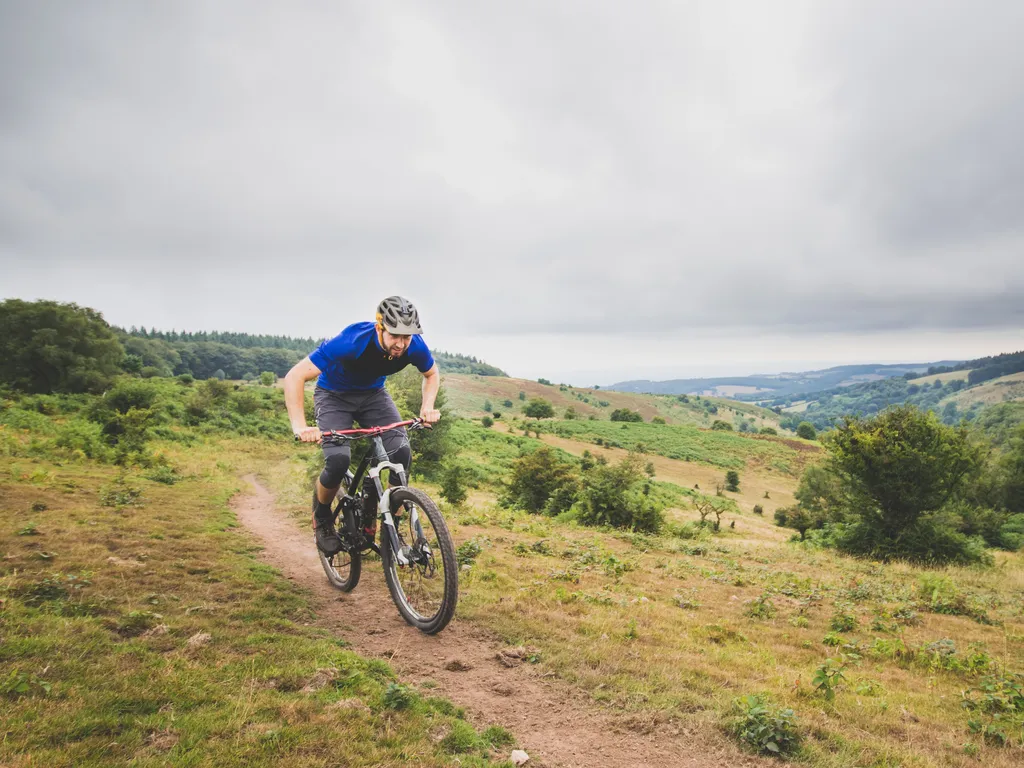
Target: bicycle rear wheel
[427, 588]
[343, 568]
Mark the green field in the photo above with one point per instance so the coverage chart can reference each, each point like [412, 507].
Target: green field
[138, 627]
[686, 443]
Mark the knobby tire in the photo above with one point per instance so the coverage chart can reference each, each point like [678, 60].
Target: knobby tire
[439, 620]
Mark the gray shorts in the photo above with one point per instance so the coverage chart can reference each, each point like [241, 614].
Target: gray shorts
[343, 410]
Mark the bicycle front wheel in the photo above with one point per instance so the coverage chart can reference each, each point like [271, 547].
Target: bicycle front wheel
[425, 587]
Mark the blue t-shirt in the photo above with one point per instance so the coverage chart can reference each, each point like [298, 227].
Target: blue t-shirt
[353, 361]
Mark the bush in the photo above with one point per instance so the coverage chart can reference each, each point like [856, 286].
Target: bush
[766, 730]
[657, 420]
[570, 413]
[453, 484]
[538, 408]
[508, 403]
[537, 477]
[732, 480]
[768, 431]
[619, 495]
[806, 430]
[487, 406]
[758, 509]
[722, 426]
[267, 378]
[625, 414]
[896, 472]
[487, 422]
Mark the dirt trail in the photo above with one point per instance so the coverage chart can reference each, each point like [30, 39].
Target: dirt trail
[555, 723]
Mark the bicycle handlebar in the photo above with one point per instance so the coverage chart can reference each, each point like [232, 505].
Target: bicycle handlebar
[370, 431]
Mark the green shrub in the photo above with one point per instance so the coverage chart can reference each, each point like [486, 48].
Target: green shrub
[722, 426]
[760, 607]
[538, 476]
[806, 430]
[732, 480]
[539, 408]
[467, 552]
[487, 422]
[843, 622]
[619, 495]
[453, 484]
[625, 414]
[762, 728]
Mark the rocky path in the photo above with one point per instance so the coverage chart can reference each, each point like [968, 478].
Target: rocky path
[556, 724]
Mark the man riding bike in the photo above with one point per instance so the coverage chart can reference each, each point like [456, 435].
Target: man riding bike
[350, 370]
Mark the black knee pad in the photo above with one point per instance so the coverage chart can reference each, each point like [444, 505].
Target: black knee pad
[335, 466]
[403, 456]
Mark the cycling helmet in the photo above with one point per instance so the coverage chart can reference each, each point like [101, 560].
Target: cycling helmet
[398, 316]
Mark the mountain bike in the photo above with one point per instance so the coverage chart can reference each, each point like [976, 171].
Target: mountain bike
[415, 545]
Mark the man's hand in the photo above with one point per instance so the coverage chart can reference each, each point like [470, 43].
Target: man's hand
[307, 434]
[430, 416]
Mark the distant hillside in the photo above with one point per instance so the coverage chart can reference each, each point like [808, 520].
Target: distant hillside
[760, 386]
[954, 392]
[475, 396]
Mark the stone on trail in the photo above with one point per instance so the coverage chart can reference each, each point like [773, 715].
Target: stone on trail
[519, 757]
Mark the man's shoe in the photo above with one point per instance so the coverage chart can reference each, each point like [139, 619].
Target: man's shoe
[327, 539]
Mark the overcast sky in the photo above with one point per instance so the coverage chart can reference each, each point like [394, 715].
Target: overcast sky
[587, 191]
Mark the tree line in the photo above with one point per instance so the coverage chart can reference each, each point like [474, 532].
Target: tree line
[48, 346]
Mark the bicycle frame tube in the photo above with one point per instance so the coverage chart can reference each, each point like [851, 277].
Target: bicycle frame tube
[378, 457]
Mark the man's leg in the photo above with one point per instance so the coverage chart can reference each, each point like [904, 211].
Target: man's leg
[333, 411]
[379, 410]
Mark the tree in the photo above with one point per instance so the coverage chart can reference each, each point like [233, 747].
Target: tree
[806, 430]
[570, 413]
[820, 495]
[430, 447]
[539, 408]
[267, 378]
[487, 422]
[487, 406]
[508, 403]
[710, 505]
[721, 426]
[625, 414]
[732, 480]
[536, 477]
[46, 346]
[897, 471]
[795, 518]
[522, 396]
[453, 484]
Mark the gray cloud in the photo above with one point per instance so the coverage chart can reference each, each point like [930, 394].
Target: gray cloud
[531, 169]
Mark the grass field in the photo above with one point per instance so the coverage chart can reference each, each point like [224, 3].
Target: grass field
[1001, 390]
[724, 449]
[136, 627]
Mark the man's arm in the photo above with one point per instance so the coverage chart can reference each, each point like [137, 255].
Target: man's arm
[431, 383]
[295, 399]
